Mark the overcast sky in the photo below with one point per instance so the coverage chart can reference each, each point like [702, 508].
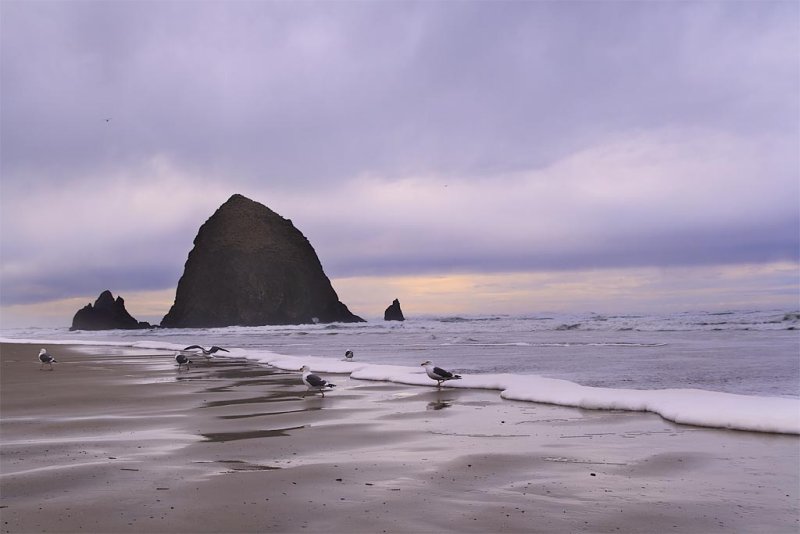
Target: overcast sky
[565, 155]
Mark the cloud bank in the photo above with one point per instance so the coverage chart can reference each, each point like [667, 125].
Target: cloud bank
[403, 138]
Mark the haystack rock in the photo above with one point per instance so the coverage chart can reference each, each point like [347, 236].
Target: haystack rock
[251, 267]
[393, 312]
[106, 314]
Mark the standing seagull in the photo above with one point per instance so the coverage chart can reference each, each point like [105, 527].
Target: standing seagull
[348, 355]
[208, 353]
[438, 374]
[315, 382]
[182, 359]
[45, 358]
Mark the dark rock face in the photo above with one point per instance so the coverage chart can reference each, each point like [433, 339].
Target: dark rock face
[251, 267]
[393, 312]
[106, 314]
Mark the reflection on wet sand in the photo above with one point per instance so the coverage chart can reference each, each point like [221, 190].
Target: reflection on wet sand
[438, 405]
[222, 437]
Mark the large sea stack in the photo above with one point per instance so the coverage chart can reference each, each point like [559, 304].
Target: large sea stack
[251, 267]
[106, 314]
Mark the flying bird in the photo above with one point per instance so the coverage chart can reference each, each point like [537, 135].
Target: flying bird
[313, 381]
[182, 359]
[45, 358]
[438, 374]
[208, 353]
[348, 355]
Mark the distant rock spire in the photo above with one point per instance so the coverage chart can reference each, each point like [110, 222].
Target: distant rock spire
[393, 312]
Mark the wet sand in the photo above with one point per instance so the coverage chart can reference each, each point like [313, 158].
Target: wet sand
[118, 440]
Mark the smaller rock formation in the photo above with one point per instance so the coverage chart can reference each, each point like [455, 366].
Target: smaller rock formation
[393, 312]
[106, 314]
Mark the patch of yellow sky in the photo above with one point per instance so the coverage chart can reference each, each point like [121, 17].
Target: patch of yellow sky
[603, 290]
[635, 290]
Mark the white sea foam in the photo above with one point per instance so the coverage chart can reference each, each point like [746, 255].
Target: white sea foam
[685, 406]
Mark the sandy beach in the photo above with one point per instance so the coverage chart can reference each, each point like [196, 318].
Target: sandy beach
[119, 440]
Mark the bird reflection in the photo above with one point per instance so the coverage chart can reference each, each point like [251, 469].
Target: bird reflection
[438, 405]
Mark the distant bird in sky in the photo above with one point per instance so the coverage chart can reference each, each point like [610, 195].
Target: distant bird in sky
[313, 381]
[208, 353]
[438, 374]
[349, 355]
[182, 359]
[45, 358]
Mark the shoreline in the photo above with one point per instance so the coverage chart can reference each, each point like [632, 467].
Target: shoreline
[707, 408]
[117, 440]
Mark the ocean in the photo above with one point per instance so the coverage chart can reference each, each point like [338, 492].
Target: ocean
[659, 363]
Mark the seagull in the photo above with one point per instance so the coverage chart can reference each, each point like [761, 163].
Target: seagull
[438, 374]
[45, 358]
[348, 355]
[313, 381]
[182, 359]
[208, 353]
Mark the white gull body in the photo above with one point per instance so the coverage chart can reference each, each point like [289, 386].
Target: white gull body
[45, 358]
[438, 374]
[315, 382]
